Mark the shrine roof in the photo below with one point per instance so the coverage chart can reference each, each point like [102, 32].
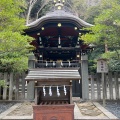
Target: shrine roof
[59, 15]
[53, 74]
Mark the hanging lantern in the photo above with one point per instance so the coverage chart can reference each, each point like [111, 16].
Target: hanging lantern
[42, 28]
[59, 24]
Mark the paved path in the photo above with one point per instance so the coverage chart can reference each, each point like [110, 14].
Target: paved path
[104, 113]
[78, 112]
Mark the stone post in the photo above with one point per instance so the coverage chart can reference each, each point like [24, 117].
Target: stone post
[31, 84]
[84, 75]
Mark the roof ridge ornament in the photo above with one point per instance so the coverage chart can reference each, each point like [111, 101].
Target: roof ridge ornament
[59, 4]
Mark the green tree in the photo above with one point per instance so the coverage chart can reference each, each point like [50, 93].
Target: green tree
[2, 83]
[80, 7]
[86, 11]
[91, 13]
[13, 43]
[106, 30]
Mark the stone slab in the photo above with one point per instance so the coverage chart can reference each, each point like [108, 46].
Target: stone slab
[105, 111]
[2, 115]
[18, 118]
[77, 113]
[79, 116]
[76, 99]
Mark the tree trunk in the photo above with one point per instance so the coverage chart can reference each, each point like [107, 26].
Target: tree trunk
[5, 88]
[11, 87]
[31, 4]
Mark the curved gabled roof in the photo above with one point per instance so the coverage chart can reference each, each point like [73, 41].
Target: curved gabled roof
[59, 15]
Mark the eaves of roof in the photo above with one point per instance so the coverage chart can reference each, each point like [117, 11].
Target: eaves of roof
[58, 15]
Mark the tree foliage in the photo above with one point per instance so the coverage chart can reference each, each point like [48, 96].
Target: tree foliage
[80, 7]
[2, 83]
[91, 13]
[86, 11]
[13, 42]
[106, 30]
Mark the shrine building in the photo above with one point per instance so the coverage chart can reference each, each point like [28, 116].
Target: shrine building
[59, 54]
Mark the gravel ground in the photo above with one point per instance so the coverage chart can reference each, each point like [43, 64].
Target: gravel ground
[113, 107]
[5, 105]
